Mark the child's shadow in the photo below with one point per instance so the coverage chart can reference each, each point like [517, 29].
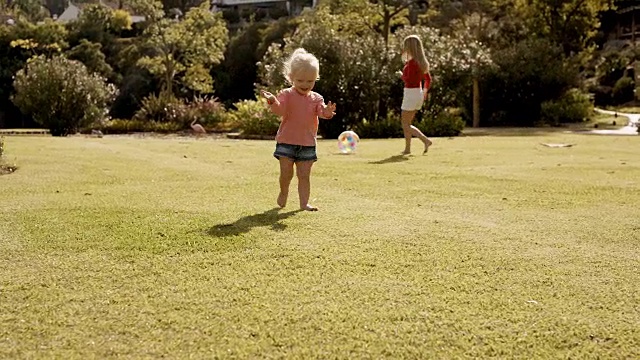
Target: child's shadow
[245, 224]
[391, 159]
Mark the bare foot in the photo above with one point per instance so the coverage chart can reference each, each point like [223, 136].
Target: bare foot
[282, 200]
[308, 208]
[426, 146]
[406, 152]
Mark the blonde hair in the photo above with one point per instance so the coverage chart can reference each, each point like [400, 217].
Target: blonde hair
[412, 47]
[300, 60]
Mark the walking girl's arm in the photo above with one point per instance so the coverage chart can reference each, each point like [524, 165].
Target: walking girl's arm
[427, 85]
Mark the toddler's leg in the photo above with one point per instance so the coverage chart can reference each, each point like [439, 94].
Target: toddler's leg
[286, 174]
[303, 170]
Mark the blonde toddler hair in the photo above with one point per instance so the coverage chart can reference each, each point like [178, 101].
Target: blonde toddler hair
[412, 46]
[300, 60]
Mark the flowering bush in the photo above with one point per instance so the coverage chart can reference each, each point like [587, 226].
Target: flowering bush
[61, 95]
[255, 118]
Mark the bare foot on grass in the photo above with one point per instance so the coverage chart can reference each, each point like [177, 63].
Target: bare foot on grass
[282, 200]
[426, 146]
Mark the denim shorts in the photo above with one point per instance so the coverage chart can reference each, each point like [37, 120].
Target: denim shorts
[296, 152]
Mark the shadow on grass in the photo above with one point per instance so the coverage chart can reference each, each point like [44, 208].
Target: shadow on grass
[243, 225]
[391, 159]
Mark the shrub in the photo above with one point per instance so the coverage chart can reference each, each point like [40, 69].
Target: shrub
[255, 118]
[602, 95]
[136, 84]
[231, 16]
[611, 67]
[160, 108]
[446, 123]
[623, 91]
[572, 107]
[61, 95]
[391, 127]
[209, 112]
[526, 75]
[121, 126]
[166, 108]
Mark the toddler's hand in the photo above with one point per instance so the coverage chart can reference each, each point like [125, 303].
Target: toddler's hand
[330, 108]
[269, 96]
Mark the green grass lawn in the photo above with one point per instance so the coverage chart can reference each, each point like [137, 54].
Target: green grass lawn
[490, 246]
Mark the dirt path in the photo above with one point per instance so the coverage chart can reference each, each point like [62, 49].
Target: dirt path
[630, 129]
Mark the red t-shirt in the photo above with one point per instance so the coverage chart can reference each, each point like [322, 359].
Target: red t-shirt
[412, 76]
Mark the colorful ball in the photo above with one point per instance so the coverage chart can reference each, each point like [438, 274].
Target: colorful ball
[347, 142]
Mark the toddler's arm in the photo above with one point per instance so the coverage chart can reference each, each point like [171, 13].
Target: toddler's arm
[277, 104]
[327, 111]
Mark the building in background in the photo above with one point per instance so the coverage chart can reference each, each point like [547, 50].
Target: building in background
[272, 8]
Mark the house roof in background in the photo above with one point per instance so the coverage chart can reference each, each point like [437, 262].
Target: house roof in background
[72, 12]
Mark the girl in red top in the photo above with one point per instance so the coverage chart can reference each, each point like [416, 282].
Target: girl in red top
[415, 71]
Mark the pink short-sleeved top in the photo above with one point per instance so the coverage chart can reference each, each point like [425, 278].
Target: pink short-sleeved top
[299, 125]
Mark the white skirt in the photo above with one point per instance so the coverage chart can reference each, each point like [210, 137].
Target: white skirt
[412, 99]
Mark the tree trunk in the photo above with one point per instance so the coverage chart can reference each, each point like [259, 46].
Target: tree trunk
[386, 18]
[476, 103]
[168, 86]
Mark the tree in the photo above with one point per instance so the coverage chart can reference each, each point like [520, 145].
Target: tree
[240, 59]
[357, 69]
[18, 44]
[150, 9]
[183, 49]
[33, 10]
[389, 10]
[94, 25]
[55, 7]
[569, 23]
[92, 57]
[377, 15]
[469, 30]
